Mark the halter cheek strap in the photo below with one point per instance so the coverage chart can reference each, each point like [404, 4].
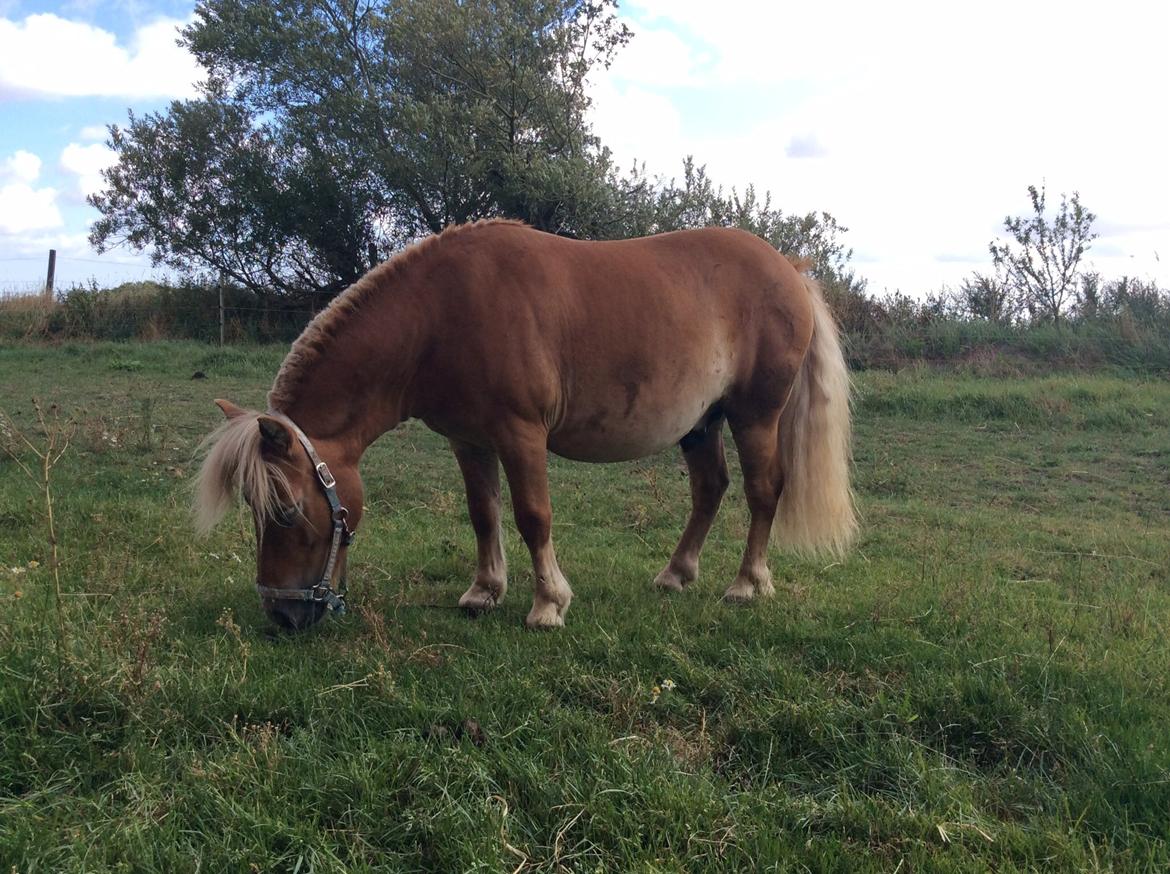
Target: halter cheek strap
[322, 592]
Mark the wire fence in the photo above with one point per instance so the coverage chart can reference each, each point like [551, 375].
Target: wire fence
[152, 311]
[72, 272]
[134, 301]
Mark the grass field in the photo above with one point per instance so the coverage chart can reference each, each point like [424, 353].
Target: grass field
[981, 686]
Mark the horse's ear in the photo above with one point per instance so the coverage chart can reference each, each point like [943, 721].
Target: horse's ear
[229, 409]
[275, 438]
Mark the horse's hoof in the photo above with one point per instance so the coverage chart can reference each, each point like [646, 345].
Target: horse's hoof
[740, 592]
[477, 607]
[744, 590]
[670, 581]
[478, 600]
[546, 616]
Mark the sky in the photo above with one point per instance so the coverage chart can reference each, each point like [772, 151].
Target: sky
[918, 125]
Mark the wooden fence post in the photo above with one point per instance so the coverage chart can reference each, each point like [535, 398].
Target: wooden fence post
[51, 276]
[221, 310]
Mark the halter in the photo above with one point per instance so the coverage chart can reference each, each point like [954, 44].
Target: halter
[322, 592]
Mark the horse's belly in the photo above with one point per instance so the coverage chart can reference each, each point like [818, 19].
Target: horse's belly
[618, 447]
[623, 431]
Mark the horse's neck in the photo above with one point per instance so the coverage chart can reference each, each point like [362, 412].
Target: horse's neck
[358, 388]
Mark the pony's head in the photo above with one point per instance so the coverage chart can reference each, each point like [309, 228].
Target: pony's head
[262, 457]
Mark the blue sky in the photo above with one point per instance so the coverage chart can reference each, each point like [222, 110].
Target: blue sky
[66, 71]
[919, 125]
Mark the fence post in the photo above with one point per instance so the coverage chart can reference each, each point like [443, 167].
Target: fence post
[51, 276]
[221, 309]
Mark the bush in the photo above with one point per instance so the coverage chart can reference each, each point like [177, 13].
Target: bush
[1130, 329]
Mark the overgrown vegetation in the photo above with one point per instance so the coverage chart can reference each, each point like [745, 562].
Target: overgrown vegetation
[1125, 324]
[981, 686]
[154, 311]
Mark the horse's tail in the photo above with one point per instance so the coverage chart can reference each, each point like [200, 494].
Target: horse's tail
[816, 512]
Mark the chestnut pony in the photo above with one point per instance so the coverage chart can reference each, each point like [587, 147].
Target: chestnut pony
[513, 343]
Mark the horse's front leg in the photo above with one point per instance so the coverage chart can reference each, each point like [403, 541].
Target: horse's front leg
[481, 477]
[524, 452]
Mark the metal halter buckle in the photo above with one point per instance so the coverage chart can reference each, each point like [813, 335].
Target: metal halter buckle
[325, 476]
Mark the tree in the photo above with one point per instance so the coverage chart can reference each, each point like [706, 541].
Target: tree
[330, 132]
[1041, 261]
[208, 189]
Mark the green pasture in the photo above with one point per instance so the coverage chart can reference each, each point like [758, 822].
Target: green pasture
[982, 685]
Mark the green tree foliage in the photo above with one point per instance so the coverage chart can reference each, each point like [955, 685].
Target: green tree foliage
[1041, 260]
[208, 189]
[332, 132]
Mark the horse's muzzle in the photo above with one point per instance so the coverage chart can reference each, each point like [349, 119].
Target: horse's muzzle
[293, 615]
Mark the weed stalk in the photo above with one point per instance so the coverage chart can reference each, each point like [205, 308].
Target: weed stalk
[56, 434]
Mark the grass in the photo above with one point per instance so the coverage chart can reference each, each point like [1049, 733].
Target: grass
[981, 686]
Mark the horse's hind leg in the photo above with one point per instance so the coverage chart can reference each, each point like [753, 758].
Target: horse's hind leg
[762, 481]
[481, 476]
[703, 451]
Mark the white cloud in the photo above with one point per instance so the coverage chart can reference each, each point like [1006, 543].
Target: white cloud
[46, 55]
[87, 163]
[927, 120]
[24, 208]
[94, 132]
[22, 166]
[622, 116]
[31, 247]
[659, 57]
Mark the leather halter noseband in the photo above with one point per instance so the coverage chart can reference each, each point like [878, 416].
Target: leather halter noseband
[322, 592]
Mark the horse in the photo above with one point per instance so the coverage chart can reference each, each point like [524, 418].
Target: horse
[513, 343]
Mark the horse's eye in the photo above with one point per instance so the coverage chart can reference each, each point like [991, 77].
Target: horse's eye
[285, 516]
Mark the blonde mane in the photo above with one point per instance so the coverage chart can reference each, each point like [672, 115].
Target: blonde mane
[234, 464]
[308, 348]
